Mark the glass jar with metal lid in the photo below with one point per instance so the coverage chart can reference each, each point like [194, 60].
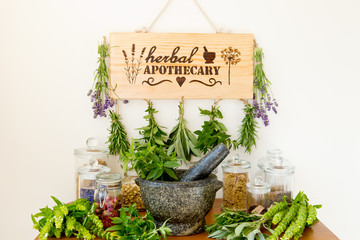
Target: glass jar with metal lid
[280, 175]
[257, 196]
[235, 178]
[108, 197]
[86, 180]
[92, 155]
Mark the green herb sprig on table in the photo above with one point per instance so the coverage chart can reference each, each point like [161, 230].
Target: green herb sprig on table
[181, 140]
[151, 162]
[131, 226]
[100, 91]
[73, 219]
[248, 129]
[152, 133]
[213, 132]
[298, 215]
[118, 142]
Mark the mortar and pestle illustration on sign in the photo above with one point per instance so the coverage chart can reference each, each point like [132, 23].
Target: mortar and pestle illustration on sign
[209, 56]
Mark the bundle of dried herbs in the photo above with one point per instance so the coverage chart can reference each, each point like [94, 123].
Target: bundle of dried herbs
[118, 142]
[263, 101]
[100, 91]
[213, 132]
[181, 140]
[152, 133]
[247, 131]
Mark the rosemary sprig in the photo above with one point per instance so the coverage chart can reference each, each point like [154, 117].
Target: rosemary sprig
[247, 132]
[181, 139]
[152, 133]
[100, 91]
[118, 142]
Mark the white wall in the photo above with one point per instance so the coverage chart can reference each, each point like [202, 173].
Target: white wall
[48, 52]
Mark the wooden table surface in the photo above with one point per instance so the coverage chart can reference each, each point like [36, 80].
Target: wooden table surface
[318, 231]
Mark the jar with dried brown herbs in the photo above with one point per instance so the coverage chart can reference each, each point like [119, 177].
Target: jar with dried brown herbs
[131, 191]
[235, 178]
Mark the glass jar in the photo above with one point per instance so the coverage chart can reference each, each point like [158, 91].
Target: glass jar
[236, 176]
[257, 196]
[90, 155]
[108, 197]
[280, 175]
[131, 191]
[86, 180]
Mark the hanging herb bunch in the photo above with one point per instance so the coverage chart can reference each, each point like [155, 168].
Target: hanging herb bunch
[181, 139]
[100, 91]
[248, 129]
[263, 100]
[118, 142]
[213, 132]
[152, 133]
[262, 103]
[148, 155]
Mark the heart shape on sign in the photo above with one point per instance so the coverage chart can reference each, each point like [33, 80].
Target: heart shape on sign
[180, 80]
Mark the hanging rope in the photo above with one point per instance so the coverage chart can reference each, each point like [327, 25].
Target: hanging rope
[148, 29]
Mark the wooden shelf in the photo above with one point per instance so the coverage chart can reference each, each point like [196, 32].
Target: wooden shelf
[318, 231]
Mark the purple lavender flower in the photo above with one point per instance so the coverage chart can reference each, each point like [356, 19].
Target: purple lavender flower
[90, 92]
[126, 101]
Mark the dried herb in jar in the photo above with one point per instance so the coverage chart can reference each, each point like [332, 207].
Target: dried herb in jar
[235, 190]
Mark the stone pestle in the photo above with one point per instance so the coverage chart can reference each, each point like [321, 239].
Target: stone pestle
[206, 164]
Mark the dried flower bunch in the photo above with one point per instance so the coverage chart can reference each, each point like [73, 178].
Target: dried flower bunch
[262, 100]
[100, 91]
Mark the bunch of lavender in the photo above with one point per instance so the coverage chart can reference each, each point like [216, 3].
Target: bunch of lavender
[263, 101]
[99, 93]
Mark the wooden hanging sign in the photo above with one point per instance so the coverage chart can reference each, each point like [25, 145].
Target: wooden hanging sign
[175, 65]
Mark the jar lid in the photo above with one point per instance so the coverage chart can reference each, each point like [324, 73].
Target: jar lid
[271, 155]
[109, 178]
[280, 166]
[92, 150]
[89, 171]
[258, 184]
[236, 162]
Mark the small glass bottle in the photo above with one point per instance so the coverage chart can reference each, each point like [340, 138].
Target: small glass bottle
[131, 191]
[236, 176]
[257, 196]
[108, 197]
[86, 180]
[280, 175]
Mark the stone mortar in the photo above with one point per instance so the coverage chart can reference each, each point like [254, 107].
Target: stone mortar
[183, 204]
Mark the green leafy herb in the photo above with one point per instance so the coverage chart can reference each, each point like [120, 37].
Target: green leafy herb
[152, 133]
[181, 139]
[118, 142]
[131, 226]
[213, 132]
[151, 162]
[247, 132]
[229, 217]
[73, 219]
